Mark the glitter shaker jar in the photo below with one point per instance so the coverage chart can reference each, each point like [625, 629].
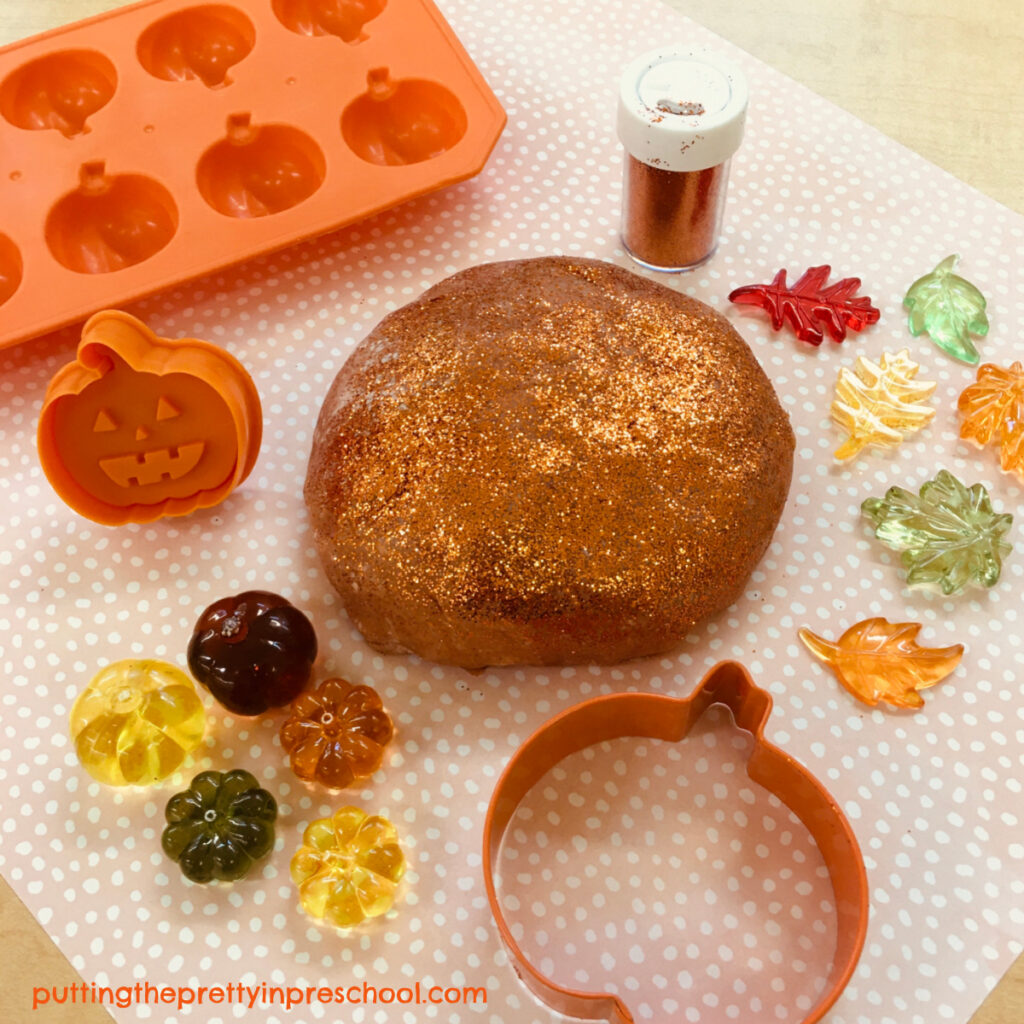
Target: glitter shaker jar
[680, 119]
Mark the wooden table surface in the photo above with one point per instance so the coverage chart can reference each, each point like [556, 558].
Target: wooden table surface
[943, 77]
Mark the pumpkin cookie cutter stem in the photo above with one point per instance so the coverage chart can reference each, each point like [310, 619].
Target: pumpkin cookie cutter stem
[654, 716]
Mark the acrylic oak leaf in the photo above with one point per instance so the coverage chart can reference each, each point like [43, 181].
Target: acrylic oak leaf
[809, 306]
[948, 309]
[878, 403]
[993, 410]
[881, 660]
[948, 534]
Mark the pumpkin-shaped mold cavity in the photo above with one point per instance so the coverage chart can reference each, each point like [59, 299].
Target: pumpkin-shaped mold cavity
[342, 18]
[259, 170]
[402, 122]
[141, 427]
[10, 268]
[201, 43]
[59, 91]
[110, 221]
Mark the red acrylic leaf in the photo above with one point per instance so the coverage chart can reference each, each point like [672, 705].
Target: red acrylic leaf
[809, 305]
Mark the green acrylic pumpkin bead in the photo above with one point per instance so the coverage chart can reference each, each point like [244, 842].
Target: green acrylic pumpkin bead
[220, 826]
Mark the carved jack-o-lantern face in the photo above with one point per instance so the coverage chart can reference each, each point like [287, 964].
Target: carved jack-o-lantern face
[142, 438]
[149, 466]
[141, 427]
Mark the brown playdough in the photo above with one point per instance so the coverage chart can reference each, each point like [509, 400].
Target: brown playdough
[549, 461]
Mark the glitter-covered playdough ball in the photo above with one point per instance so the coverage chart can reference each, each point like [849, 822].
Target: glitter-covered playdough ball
[549, 461]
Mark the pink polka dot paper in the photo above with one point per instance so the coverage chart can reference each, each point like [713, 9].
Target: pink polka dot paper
[653, 870]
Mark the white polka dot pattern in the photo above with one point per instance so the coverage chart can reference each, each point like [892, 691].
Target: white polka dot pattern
[653, 870]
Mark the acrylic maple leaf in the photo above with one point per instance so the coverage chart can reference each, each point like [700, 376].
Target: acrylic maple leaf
[879, 403]
[948, 534]
[809, 306]
[993, 410]
[881, 660]
[948, 309]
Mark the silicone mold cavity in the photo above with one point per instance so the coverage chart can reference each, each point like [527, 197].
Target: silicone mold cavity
[342, 18]
[259, 170]
[110, 222]
[402, 122]
[200, 42]
[60, 91]
[10, 268]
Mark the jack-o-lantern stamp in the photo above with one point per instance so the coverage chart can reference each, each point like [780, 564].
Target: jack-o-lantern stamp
[139, 427]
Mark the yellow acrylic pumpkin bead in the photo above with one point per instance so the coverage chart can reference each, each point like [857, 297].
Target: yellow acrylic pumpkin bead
[348, 867]
[136, 722]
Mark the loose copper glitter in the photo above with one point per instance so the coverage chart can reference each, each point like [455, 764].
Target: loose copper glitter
[549, 461]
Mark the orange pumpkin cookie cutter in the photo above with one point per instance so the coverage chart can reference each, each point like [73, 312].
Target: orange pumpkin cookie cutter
[139, 427]
[654, 716]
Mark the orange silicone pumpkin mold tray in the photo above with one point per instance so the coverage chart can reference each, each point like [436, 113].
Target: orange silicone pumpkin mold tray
[168, 139]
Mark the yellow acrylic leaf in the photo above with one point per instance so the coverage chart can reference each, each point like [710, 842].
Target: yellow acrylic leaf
[879, 403]
[993, 411]
[881, 660]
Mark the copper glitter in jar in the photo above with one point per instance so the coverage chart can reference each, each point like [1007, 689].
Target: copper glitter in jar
[681, 118]
[672, 218]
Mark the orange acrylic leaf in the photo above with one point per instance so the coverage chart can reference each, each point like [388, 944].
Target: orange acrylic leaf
[881, 660]
[993, 411]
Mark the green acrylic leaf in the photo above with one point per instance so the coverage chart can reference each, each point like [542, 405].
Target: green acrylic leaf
[948, 534]
[949, 309]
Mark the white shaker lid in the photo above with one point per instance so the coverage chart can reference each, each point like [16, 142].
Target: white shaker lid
[682, 109]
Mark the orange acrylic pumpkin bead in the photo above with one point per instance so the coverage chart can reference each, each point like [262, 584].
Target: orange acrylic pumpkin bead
[336, 734]
[139, 427]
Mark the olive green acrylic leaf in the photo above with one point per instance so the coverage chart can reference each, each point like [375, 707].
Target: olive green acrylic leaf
[949, 309]
[948, 534]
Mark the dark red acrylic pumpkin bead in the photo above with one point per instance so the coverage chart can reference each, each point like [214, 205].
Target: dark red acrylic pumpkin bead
[253, 652]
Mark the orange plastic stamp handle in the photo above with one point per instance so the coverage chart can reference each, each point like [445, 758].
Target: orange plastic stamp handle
[649, 715]
[139, 427]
